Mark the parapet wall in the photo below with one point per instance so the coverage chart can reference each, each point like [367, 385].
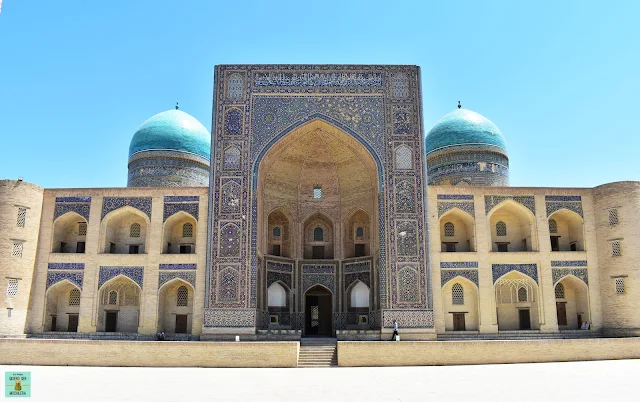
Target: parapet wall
[147, 354]
[363, 354]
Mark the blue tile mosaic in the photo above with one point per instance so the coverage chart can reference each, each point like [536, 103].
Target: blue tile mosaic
[74, 277]
[493, 200]
[166, 276]
[498, 270]
[362, 266]
[74, 199]
[112, 203]
[81, 209]
[279, 266]
[571, 206]
[279, 79]
[407, 318]
[558, 274]
[224, 318]
[311, 280]
[562, 198]
[449, 274]
[173, 208]
[465, 264]
[568, 263]
[66, 265]
[178, 267]
[136, 274]
[181, 198]
[446, 206]
[275, 276]
[364, 277]
[318, 269]
[457, 197]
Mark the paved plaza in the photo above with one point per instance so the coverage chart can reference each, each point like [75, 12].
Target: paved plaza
[581, 381]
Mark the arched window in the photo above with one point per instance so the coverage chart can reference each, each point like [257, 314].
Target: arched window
[74, 297]
[359, 232]
[559, 291]
[277, 232]
[113, 297]
[522, 295]
[501, 229]
[134, 231]
[457, 294]
[187, 230]
[82, 228]
[318, 234]
[276, 295]
[449, 229]
[183, 296]
[553, 226]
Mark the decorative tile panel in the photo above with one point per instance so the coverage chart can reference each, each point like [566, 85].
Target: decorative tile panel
[406, 235]
[230, 240]
[408, 291]
[66, 265]
[229, 318]
[464, 264]
[233, 122]
[228, 284]
[575, 206]
[136, 274]
[112, 203]
[447, 274]
[173, 208]
[275, 276]
[491, 201]
[563, 198]
[311, 280]
[178, 267]
[318, 269]
[362, 266]
[167, 276]
[74, 199]
[407, 318]
[446, 206]
[558, 273]
[364, 277]
[531, 270]
[231, 193]
[81, 209]
[568, 263]
[181, 198]
[456, 197]
[74, 277]
[405, 196]
[279, 266]
[402, 120]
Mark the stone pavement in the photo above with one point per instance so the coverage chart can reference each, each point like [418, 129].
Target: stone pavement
[578, 381]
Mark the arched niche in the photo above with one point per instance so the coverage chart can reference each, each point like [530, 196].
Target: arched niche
[120, 233]
[520, 227]
[457, 231]
[318, 237]
[179, 234]
[460, 305]
[572, 303]
[569, 231]
[175, 307]
[69, 233]
[357, 236]
[517, 303]
[279, 237]
[119, 305]
[62, 307]
[279, 304]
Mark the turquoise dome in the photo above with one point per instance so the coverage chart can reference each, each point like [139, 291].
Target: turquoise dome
[172, 130]
[464, 127]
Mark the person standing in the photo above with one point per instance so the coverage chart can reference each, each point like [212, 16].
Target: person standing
[395, 330]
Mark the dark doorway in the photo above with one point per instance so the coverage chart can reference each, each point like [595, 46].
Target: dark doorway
[525, 319]
[561, 311]
[181, 323]
[458, 322]
[318, 312]
[555, 243]
[111, 321]
[317, 252]
[359, 250]
[73, 323]
[579, 321]
[54, 322]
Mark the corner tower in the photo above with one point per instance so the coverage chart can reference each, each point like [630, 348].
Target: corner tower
[170, 149]
[465, 148]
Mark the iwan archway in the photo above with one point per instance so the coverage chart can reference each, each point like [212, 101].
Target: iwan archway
[310, 186]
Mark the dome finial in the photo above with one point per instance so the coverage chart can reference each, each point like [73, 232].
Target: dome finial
[459, 105]
[177, 107]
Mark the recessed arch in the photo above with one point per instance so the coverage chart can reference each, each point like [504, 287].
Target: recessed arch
[124, 316]
[515, 312]
[464, 239]
[175, 309]
[573, 307]
[59, 313]
[173, 281]
[115, 231]
[465, 316]
[521, 232]
[569, 235]
[173, 239]
[68, 236]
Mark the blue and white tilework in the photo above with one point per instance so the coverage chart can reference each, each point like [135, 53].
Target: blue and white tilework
[181, 198]
[557, 202]
[112, 203]
[79, 205]
[531, 270]
[455, 197]
[466, 206]
[568, 263]
[276, 276]
[318, 269]
[66, 265]
[178, 267]
[311, 280]
[558, 273]
[166, 276]
[463, 264]
[136, 274]
[74, 199]
[189, 207]
[408, 318]
[229, 318]
[75, 277]
[279, 266]
[361, 266]
[447, 274]
[493, 200]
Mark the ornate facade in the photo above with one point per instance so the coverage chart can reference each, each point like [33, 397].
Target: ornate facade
[318, 221]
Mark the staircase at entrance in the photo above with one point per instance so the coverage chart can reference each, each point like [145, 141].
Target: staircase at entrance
[318, 352]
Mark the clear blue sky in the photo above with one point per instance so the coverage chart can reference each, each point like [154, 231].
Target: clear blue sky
[559, 78]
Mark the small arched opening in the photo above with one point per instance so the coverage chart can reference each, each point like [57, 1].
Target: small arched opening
[62, 307]
[460, 305]
[318, 237]
[357, 235]
[119, 306]
[512, 228]
[318, 311]
[278, 298]
[572, 303]
[124, 231]
[175, 307]
[517, 302]
[279, 233]
[69, 234]
[457, 232]
[566, 231]
[179, 234]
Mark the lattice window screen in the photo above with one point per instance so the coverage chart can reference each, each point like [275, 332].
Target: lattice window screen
[553, 226]
[619, 286]
[22, 216]
[135, 230]
[501, 229]
[187, 230]
[457, 294]
[449, 229]
[12, 288]
[522, 295]
[613, 216]
[616, 249]
[559, 291]
[74, 297]
[113, 297]
[404, 157]
[183, 296]
[82, 229]
[17, 249]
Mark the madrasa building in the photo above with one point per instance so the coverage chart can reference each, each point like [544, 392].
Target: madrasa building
[319, 205]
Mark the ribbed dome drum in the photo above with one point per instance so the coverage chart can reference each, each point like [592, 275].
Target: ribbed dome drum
[466, 148]
[170, 149]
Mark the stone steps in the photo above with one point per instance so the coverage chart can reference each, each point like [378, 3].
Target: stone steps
[318, 352]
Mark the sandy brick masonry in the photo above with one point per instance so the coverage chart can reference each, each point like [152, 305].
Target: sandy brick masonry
[148, 354]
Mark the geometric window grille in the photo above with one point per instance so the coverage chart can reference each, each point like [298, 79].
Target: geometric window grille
[522, 295]
[613, 216]
[616, 249]
[619, 286]
[317, 192]
[277, 231]
[22, 214]
[17, 249]
[82, 229]
[235, 86]
[187, 230]
[113, 297]
[553, 226]
[559, 291]
[74, 297]
[501, 229]
[449, 229]
[12, 288]
[318, 234]
[183, 295]
[404, 157]
[400, 86]
[457, 294]
[232, 158]
[135, 230]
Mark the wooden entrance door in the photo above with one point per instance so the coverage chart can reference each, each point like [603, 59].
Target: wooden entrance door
[525, 319]
[111, 321]
[561, 312]
[458, 322]
[181, 323]
[73, 323]
[318, 312]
